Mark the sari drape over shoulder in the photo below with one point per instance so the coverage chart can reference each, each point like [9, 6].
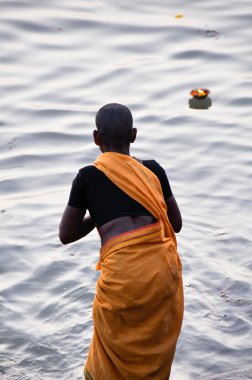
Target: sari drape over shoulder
[138, 306]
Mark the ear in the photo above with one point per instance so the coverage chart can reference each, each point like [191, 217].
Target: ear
[134, 133]
[96, 137]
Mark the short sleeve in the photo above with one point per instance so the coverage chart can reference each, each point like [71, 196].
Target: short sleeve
[164, 182]
[160, 173]
[77, 195]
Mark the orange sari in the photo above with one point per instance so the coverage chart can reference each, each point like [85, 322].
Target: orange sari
[138, 307]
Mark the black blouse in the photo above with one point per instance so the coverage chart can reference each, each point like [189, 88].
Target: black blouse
[92, 190]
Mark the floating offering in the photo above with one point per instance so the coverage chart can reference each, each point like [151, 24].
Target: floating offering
[200, 93]
[179, 16]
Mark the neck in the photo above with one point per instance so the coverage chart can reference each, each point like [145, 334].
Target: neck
[124, 150]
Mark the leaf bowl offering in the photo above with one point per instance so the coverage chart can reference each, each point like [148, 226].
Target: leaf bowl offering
[200, 93]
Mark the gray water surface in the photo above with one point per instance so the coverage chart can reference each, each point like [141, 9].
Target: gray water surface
[60, 61]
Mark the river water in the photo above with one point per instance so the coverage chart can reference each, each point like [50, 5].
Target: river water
[60, 61]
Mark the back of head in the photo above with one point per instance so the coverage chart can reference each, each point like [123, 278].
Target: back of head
[114, 123]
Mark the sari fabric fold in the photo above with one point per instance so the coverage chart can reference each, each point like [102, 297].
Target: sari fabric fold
[138, 307]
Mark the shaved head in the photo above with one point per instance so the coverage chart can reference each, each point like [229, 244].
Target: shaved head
[114, 123]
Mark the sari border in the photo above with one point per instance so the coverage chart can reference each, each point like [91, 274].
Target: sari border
[132, 234]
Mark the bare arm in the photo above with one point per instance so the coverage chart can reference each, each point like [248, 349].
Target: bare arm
[74, 225]
[174, 214]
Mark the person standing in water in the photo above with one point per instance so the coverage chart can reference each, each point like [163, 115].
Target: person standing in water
[138, 305]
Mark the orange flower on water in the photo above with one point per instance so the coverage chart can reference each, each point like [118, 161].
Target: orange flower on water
[200, 93]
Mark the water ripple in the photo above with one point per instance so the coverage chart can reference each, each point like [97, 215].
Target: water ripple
[61, 61]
